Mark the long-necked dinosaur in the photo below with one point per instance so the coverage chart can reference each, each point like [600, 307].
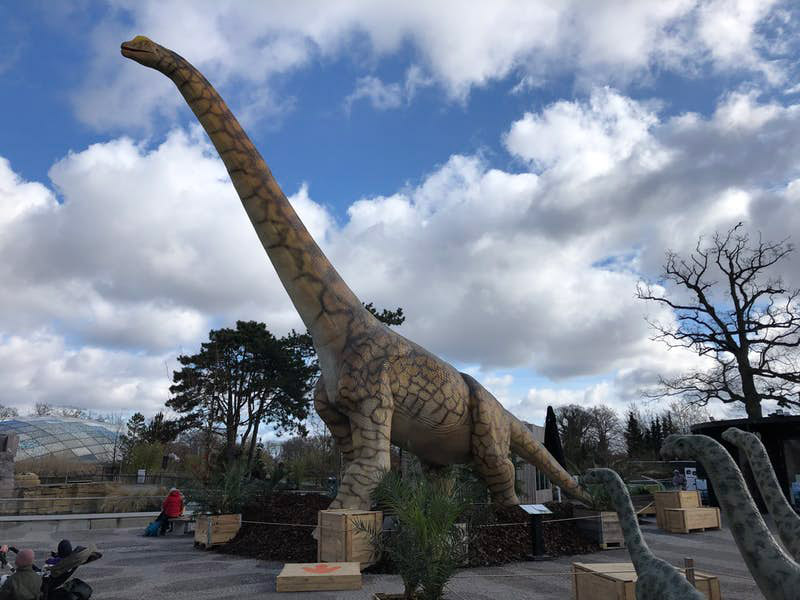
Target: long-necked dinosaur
[656, 579]
[376, 386]
[787, 522]
[775, 573]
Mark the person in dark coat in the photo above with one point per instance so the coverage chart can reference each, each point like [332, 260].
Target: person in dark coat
[171, 508]
[24, 583]
[63, 551]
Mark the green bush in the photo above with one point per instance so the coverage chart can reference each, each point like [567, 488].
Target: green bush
[425, 545]
[226, 493]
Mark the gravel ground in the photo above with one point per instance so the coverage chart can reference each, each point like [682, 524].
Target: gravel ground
[135, 567]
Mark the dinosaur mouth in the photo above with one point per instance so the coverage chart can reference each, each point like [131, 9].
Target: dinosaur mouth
[129, 51]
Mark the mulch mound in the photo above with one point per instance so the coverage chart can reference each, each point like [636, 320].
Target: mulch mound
[498, 536]
[503, 535]
[276, 542]
[563, 538]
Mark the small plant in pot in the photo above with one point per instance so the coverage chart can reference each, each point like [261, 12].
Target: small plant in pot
[425, 544]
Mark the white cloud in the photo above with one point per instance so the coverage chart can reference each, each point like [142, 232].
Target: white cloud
[251, 43]
[150, 248]
[381, 95]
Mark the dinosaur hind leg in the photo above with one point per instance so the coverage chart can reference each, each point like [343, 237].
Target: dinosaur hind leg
[490, 444]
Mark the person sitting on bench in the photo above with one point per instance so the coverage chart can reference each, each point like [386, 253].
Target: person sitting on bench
[170, 509]
[24, 583]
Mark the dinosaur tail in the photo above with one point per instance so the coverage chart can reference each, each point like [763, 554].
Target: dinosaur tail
[525, 445]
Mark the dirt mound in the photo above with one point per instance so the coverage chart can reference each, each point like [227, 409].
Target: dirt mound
[498, 535]
[284, 543]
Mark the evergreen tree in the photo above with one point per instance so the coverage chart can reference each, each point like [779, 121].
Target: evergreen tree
[634, 436]
[552, 441]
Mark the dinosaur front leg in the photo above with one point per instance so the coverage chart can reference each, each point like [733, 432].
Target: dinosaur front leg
[490, 444]
[370, 408]
[336, 422]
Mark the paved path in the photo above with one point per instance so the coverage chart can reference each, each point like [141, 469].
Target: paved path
[136, 568]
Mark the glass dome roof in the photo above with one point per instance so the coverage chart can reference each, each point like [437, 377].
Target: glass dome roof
[65, 437]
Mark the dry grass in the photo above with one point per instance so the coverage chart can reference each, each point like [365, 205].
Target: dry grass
[56, 466]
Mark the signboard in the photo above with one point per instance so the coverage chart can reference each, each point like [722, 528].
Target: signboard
[690, 474]
[535, 509]
[140, 475]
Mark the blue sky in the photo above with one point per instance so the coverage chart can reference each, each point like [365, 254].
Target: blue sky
[505, 173]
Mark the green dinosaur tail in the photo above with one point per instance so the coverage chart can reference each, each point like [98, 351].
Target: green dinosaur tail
[525, 445]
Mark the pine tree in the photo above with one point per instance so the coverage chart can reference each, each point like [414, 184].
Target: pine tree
[634, 437]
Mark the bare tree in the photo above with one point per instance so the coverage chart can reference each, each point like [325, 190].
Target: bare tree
[747, 323]
[686, 414]
[42, 409]
[590, 436]
[8, 412]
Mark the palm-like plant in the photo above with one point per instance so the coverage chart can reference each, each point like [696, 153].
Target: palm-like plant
[425, 544]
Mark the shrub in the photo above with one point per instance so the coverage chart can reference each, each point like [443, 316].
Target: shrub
[227, 491]
[425, 545]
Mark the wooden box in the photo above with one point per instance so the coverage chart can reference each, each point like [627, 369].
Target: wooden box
[674, 499]
[617, 581]
[319, 577]
[340, 541]
[211, 530]
[603, 529]
[684, 520]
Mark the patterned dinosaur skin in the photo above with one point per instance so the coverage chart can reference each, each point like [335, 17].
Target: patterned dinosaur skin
[376, 386]
[775, 574]
[786, 520]
[656, 579]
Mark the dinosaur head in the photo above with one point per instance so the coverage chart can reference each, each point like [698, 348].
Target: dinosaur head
[735, 436]
[678, 446]
[146, 52]
[598, 476]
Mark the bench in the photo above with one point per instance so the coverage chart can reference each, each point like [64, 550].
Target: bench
[187, 520]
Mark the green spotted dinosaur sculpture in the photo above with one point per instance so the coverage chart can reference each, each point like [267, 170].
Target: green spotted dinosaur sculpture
[787, 522]
[775, 573]
[376, 386]
[656, 579]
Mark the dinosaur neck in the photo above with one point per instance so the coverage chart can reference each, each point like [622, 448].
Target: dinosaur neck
[786, 520]
[770, 566]
[637, 548]
[322, 298]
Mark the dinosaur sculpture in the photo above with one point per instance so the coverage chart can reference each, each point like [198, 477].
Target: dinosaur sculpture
[376, 386]
[656, 579]
[786, 520]
[775, 574]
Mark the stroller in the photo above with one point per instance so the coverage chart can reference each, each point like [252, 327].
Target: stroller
[56, 582]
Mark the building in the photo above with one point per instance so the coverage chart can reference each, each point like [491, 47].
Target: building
[64, 437]
[780, 435]
[532, 486]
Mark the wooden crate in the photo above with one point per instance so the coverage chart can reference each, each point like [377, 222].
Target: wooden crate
[319, 577]
[340, 541]
[674, 499]
[212, 530]
[684, 520]
[604, 528]
[617, 581]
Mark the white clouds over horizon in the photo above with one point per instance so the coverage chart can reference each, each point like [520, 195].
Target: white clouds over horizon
[457, 45]
[149, 248]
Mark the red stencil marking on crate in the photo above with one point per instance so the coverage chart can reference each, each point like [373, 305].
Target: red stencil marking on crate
[321, 569]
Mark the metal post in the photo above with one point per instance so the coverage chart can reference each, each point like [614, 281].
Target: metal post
[689, 564]
[537, 540]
